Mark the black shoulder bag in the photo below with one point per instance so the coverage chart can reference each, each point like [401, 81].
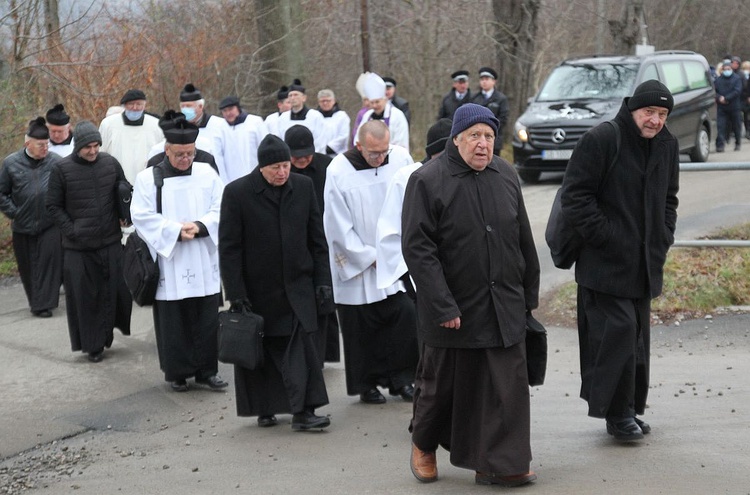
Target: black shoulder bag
[140, 270]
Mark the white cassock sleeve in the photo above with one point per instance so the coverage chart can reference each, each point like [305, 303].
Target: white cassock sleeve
[350, 255]
[390, 260]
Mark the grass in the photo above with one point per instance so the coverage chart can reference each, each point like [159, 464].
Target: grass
[8, 266]
[697, 281]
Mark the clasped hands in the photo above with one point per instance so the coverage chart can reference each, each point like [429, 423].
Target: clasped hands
[188, 231]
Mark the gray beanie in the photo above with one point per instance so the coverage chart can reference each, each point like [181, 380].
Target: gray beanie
[84, 134]
[469, 114]
[651, 93]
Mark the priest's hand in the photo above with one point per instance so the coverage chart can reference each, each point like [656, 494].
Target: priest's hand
[454, 323]
[324, 298]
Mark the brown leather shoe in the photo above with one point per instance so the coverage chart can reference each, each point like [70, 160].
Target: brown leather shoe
[506, 481]
[423, 465]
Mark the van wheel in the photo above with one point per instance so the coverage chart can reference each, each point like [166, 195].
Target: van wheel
[699, 153]
[529, 176]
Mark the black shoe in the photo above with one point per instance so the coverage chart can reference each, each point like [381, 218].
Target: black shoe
[307, 420]
[406, 392]
[97, 356]
[624, 430]
[720, 150]
[645, 427]
[266, 421]
[179, 385]
[737, 147]
[214, 382]
[42, 313]
[372, 396]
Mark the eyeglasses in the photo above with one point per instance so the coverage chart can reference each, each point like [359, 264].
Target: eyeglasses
[374, 155]
[183, 155]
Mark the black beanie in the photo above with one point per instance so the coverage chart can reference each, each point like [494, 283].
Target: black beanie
[57, 116]
[650, 93]
[437, 136]
[300, 141]
[38, 129]
[272, 150]
[84, 134]
[190, 93]
[470, 114]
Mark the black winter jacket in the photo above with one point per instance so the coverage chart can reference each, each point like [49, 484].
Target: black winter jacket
[628, 221]
[81, 199]
[23, 187]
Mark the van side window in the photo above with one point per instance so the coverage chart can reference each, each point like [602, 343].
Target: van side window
[696, 75]
[674, 78]
[650, 73]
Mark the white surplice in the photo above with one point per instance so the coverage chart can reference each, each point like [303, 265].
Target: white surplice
[188, 268]
[353, 200]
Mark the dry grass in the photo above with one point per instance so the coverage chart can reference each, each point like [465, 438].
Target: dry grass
[697, 281]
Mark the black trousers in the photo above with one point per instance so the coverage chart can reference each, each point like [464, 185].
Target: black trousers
[728, 122]
[40, 261]
[614, 342]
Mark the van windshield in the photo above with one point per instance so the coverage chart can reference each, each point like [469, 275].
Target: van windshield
[589, 82]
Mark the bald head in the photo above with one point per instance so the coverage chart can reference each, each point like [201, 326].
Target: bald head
[375, 129]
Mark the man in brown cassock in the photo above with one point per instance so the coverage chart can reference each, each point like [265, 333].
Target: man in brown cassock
[468, 245]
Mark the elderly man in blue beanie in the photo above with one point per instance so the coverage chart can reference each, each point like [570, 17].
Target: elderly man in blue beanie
[620, 194]
[468, 245]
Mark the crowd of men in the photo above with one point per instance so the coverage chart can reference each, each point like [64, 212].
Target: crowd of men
[732, 83]
[429, 270]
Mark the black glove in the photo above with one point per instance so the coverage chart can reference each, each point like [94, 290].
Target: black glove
[324, 298]
[240, 305]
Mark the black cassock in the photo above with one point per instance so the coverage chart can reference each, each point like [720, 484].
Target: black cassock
[96, 297]
[186, 337]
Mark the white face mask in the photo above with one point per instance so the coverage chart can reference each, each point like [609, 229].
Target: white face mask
[746, 72]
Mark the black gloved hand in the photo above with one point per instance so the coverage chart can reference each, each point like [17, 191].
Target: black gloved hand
[324, 298]
[240, 305]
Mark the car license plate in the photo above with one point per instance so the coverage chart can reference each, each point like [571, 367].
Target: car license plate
[556, 154]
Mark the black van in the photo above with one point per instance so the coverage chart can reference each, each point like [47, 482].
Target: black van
[582, 92]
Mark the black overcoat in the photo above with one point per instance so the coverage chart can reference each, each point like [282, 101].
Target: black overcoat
[272, 249]
[628, 219]
[468, 244]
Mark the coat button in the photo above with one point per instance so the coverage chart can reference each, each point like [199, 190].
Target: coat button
[489, 228]
[492, 284]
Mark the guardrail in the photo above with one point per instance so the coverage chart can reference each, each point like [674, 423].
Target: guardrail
[712, 167]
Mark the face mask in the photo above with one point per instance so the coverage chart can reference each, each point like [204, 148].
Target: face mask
[133, 115]
[746, 72]
[188, 112]
[727, 72]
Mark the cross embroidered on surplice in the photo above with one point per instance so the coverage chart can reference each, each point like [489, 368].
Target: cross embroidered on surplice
[341, 260]
[188, 276]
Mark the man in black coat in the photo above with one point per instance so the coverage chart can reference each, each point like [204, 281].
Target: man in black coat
[274, 258]
[459, 95]
[36, 239]
[396, 100]
[627, 217]
[468, 245]
[496, 101]
[81, 200]
[307, 162]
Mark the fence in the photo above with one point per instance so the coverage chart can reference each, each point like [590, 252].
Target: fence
[712, 167]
